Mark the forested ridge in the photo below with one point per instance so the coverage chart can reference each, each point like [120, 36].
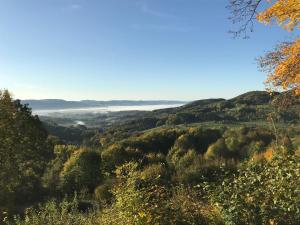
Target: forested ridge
[251, 107]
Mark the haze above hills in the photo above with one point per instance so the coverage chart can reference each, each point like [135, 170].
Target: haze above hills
[49, 104]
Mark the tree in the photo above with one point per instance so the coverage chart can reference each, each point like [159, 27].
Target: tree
[282, 64]
[284, 12]
[283, 67]
[81, 171]
[24, 152]
[243, 12]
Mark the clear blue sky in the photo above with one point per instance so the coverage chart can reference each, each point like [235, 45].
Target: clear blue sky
[127, 49]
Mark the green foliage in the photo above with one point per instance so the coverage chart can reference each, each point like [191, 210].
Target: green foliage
[186, 160]
[133, 204]
[152, 158]
[137, 202]
[155, 141]
[136, 147]
[262, 193]
[155, 173]
[217, 150]
[55, 213]
[51, 177]
[180, 118]
[81, 171]
[139, 176]
[249, 107]
[24, 153]
[188, 208]
[243, 142]
[193, 169]
[114, 155]
[198, 139]
[69, 135]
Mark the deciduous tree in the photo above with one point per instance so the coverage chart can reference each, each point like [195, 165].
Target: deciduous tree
[24, 152]
[282, 64]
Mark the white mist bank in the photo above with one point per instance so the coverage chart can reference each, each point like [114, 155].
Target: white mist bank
[53, 112]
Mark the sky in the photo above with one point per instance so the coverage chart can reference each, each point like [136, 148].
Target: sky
[128, 49]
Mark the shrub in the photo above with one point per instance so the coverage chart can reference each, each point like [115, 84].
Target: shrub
[203, 170]
[188, 159]
[152, 158]
[189, 208]
[198, 139]
[155, 173]
[264, 192]
[113, 156]
[55, 213]
[134, 204]
[137, 202]
[243, 142]
[217, 150]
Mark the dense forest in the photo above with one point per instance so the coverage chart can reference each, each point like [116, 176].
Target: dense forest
[208, 162]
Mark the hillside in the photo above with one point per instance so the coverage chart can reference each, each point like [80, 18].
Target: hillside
[249, 107]
[179, 163]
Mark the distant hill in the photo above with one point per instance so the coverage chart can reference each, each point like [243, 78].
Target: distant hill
[50, 104]
[252, 106]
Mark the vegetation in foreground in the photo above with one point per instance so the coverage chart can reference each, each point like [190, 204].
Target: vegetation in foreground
[199, 174]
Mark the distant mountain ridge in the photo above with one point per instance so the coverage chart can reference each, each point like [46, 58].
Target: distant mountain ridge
[254, 106]
[45, 104]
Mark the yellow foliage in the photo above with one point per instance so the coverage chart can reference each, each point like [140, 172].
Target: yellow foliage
[285, 12]
[284, 64]
[266, 155]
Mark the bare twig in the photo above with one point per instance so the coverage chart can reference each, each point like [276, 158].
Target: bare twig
[243, 12]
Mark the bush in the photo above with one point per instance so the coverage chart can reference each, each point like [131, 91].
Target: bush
[266, 192]
[243, 142]
[155, 173]
[217, 150]
[189, 208]
[113, 156]
[198, 139]
[55, 213]
[152, 158]
[203, 170]
[134, 204]
[138, 202]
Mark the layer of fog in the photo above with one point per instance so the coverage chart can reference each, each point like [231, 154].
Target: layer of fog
[95, 110]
